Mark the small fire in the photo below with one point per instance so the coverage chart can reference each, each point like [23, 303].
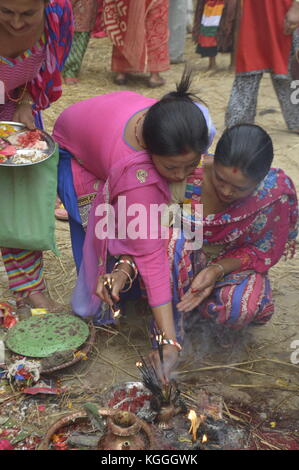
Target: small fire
[196, 421]
[204, 438]
[116, 313]
[139, 364]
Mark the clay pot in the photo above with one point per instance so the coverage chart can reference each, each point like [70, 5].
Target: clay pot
[123, 433]
[81, 416]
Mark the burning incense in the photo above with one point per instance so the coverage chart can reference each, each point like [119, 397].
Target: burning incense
[116, 306]
[150, 378]
[165, 394]
[159, 335]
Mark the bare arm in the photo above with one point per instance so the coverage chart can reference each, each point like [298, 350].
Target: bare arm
[292, 18]
[23, 112]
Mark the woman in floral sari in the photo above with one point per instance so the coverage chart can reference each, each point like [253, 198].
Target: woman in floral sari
[250, 221]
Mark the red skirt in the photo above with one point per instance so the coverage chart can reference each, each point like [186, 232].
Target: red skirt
[262, 44]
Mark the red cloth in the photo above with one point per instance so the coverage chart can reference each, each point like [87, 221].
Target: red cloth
[85, 13]
[262, 43]
[138, 30]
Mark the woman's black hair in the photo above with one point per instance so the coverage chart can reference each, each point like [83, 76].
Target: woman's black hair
[247, 147]
[175, 125]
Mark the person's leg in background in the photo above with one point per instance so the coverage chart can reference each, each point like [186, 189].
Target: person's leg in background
[290, 111]
[177, 21]
[74, 61]
[243, 100]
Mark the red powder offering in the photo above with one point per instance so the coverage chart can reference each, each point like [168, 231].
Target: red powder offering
[29, 139]
[133, 400]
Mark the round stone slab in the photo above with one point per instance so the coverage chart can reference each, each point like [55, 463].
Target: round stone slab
[47, 334]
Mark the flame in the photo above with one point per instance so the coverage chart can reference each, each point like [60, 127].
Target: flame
[204, 438]
[116, 313]
[196, 421]
[139, 364]
[159, 338]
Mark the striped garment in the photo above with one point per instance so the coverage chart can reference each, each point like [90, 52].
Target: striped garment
[40, 68]
[207, 40]
[15, 73]
[23, 267]
[25, 271]
[74, 61]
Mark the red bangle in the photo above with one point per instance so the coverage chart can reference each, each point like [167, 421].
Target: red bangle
[130, 263]
[172, 343]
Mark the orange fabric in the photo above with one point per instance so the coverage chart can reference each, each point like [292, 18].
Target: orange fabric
[262, 43]
[139, 32]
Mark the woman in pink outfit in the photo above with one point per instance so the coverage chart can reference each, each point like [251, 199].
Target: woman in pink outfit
[124, 148]
[35, 39]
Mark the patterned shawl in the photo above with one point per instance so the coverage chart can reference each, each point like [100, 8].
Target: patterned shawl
[47, 85]
[259, 229]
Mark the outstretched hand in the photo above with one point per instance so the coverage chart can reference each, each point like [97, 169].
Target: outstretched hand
[201, 287]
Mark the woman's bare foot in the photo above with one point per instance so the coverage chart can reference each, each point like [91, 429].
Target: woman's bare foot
[120, 79]
[212, 64]
[156, 80]
[41, 300]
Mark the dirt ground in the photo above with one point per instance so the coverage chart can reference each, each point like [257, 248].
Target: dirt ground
[258, 370]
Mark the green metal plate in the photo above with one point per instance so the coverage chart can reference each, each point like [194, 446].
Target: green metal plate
[47, 334]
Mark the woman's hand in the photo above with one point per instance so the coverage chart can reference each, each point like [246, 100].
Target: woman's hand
[291, 21]
[118, 280]
[24, 115]
[201, 287]
[170, 357]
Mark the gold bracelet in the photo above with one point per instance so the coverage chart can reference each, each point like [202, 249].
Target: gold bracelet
[26, 102]
[127, 274]
[130, 263]
[222, 274]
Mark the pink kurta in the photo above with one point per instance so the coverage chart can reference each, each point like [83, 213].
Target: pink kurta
[16, 73]
[104, 155]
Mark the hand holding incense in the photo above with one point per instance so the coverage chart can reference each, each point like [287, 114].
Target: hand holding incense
[115, 308]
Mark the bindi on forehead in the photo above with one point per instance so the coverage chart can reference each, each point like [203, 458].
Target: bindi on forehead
[235, 171]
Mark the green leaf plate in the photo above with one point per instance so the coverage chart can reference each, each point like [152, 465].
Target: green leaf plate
[47, 334]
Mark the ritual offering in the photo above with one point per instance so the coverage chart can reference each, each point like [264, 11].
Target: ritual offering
[41, 336]
[20, 146]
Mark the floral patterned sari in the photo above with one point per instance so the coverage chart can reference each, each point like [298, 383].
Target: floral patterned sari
[258, 230]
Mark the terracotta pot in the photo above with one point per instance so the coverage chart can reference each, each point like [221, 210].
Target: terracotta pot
[82, 416]
[123, 433]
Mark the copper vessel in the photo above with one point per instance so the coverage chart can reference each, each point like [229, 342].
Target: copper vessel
[166, 415]
[126, 432]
